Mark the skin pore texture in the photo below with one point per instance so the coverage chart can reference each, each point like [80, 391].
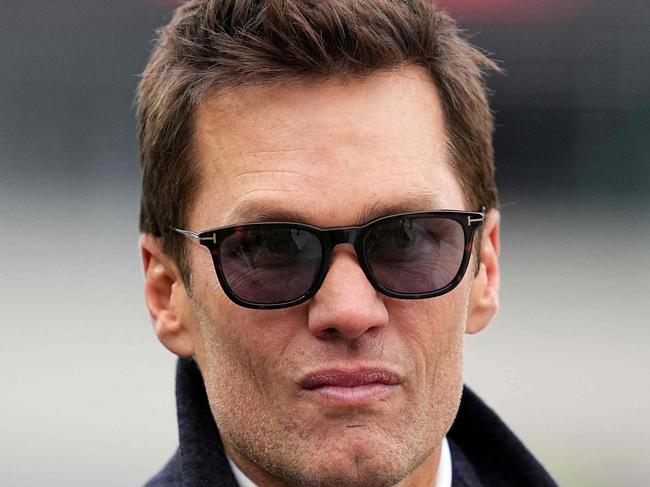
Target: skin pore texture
[329, 153]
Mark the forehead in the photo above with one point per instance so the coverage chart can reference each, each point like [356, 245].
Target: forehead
[330, 153]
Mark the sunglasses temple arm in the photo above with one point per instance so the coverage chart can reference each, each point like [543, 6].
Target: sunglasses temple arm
[188, 233]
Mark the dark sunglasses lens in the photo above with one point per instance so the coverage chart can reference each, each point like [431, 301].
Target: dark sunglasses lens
[269, 265]
[415, 255]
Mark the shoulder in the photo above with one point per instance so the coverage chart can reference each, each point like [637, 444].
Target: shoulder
[486, 453]
[169, 476]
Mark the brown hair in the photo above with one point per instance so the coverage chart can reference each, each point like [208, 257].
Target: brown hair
[213, 45]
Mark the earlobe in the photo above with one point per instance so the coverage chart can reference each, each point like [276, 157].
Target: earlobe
[484, 293]
[166, 298]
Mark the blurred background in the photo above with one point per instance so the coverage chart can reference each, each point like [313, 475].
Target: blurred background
[87, 391]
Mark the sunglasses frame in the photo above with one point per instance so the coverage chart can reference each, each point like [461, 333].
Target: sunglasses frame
[470, 221]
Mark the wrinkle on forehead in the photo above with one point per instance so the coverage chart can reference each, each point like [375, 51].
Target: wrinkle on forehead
[306, 197]
[262, 206]
[272, 115]
[329, 164]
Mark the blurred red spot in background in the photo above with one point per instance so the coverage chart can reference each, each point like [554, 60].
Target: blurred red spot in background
[512, 11]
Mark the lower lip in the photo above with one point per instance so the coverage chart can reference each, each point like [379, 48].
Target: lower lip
[353, 396]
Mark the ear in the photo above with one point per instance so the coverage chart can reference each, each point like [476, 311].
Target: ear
[167, 300]
[484, 293]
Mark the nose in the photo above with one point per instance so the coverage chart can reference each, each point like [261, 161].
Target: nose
[346, 305]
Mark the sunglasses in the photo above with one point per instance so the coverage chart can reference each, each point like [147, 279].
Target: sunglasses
[276, 265]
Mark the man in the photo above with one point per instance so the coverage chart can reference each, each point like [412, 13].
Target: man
[319, 230]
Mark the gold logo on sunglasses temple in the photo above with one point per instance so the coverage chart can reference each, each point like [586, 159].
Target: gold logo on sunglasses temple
[212, 238]
[471, 220]
[195, 236]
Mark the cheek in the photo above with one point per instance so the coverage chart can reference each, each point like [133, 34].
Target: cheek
[242, 350]
[432, 331]
[221, 340]
[231, 371]
[228, 361]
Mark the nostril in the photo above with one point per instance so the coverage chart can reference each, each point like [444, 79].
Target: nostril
[329, 332]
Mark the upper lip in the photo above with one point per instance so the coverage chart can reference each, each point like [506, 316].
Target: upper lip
[349, 378]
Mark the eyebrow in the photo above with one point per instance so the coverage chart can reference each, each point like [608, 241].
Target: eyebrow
[254, 212]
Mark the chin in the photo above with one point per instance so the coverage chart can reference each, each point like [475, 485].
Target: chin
[373, 474]
[360, 462]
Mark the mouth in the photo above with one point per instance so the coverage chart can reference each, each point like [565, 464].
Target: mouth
[356, 387]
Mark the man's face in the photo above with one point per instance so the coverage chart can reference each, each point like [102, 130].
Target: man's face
[327, 152]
